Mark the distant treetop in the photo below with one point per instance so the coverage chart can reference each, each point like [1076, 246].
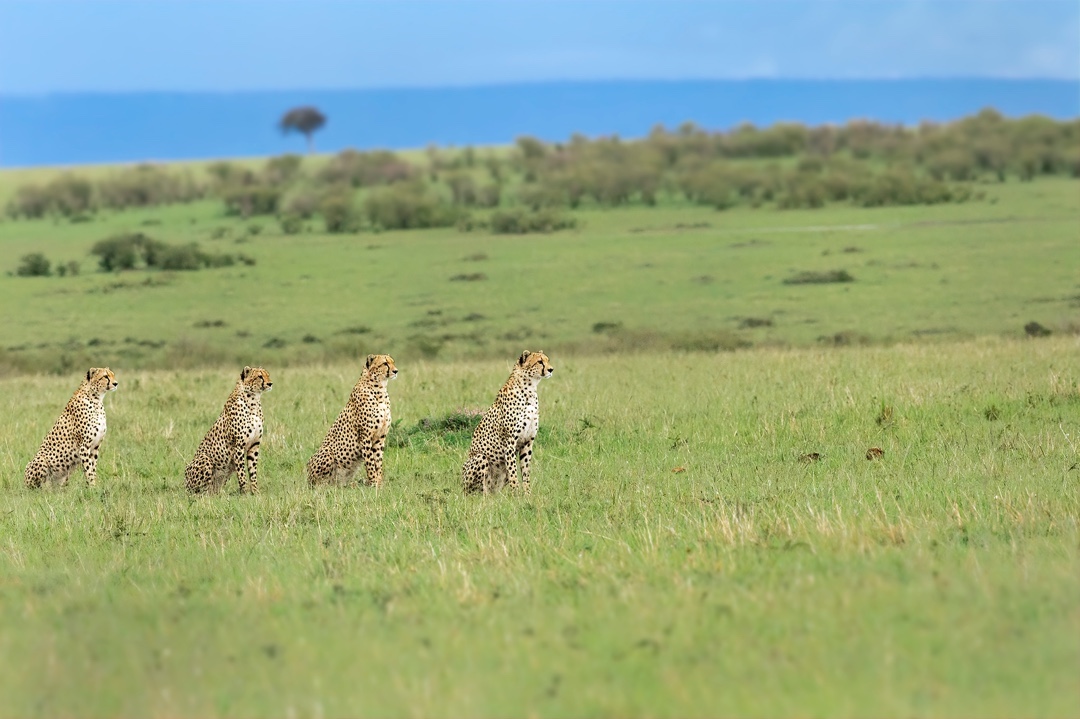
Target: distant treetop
[305, 120]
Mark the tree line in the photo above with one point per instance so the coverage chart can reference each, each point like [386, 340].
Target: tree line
[786, 165]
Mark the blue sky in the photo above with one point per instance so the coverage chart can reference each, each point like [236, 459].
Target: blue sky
[196, 45]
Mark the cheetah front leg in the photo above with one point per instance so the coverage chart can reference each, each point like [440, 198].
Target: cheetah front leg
[239, 457]
[89, 458]
[511, 467]
[253, 467]
[36, 474]
[372, 452]
[525, 457]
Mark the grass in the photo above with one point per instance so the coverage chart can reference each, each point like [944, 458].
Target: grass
[672, 276]
[675, 559]
[706, 537]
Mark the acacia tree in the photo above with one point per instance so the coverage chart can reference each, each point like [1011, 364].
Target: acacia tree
[305, 120]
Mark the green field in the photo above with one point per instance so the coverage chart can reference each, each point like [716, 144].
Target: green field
[673, 277]
[680, 554]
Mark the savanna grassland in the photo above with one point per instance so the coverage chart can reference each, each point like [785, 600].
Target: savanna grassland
[706, 534]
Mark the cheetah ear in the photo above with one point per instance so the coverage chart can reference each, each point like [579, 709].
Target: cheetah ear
[524, 356]
[370, 359]
[245, 372]
[90, 373]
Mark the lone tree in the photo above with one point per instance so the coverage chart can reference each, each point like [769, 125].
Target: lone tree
[305, 120]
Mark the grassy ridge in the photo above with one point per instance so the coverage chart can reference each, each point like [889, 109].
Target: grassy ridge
[937, 580]
[666, 277]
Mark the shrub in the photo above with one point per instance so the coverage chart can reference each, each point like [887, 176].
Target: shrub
[282, 170]
[68, 268]
[491, 195]
[520, 222]
[462, 189]
[339, 214]
[803, 190]
[304, 204]
[226, 174]
[146, 186]
[127, 252]
[120, 252]
[407, 206]
[252, 200]
[70, 195]
[819, 278]
[367, 169]
[531, 148]
[67, 195]
[184, 257]
[542, 195]
[34, 264]
[30, 201]
[291, 224]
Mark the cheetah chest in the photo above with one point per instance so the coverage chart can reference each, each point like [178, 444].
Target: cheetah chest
[254, 430]
[97, 429]
[95, 425]
[250, 424]
[530, 421]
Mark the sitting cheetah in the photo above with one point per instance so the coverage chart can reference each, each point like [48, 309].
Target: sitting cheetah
[233, 439]
[77, 434]
[360, 430]
[507, 429]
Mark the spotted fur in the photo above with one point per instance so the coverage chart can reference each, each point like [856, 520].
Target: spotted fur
[232, 444]
[507, 430]
[359, 432]
[76, 436]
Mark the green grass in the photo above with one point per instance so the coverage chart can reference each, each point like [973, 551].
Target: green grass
[671, 277]
[938, 580]
[677, 558]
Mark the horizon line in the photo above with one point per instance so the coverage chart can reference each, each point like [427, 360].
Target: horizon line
[539, 83]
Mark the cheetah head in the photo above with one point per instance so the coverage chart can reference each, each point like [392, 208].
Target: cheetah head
[256, 379]
[536, 364]
[101, 379]
[381, 367]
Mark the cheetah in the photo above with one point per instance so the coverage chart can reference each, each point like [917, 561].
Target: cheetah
[507, 429]
[77, 434]
[233, 439]
[360, 430]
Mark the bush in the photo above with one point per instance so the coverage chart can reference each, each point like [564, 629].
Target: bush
[67, 195]
[520, 222]
[304, 204]
[252, 200]
[339, 214]
[130, 251]
[226, 174]
[34, 264]
[542, 195]
[120, 252]
[291, 224]
[367, 169]
[282, 170]
[462, 189]
[30, 201]
[491, 195]
[819, 278]
[407, 206]
[902, 188]
[68, 269]
[146, 186]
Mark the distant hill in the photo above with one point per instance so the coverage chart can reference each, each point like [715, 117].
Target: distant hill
[90, 128]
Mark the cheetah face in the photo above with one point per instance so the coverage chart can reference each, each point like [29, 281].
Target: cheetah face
[381, 366]
[256, 379]
[102, 379]
[536, 364]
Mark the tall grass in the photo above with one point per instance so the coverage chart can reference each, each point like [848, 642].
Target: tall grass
[676, 558]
